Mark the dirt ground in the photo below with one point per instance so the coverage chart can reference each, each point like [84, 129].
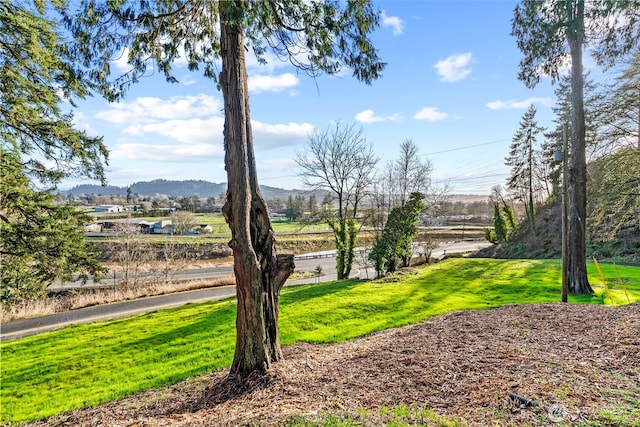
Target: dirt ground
[575, 362]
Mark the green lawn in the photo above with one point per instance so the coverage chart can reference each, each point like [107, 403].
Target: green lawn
[89, 364]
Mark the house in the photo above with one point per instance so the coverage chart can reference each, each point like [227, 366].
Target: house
[108, 208]
[162, 227]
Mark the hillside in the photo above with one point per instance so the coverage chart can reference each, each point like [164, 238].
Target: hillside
[174, 188]
[613, 222]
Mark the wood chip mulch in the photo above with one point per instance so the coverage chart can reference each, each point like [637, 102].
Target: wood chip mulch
[515, 365]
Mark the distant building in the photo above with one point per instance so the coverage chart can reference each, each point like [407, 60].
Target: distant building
[162, 227]
[205, 229]
[108, 208]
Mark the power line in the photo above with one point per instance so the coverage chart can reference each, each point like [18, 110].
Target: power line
[465, 147]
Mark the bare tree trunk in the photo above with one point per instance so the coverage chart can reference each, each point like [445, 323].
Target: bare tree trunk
[576, 267]
[260, 275]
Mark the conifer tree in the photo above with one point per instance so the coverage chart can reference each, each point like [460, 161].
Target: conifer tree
[524, 160]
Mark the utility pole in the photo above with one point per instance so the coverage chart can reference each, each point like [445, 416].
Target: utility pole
[561, 156]
[565, 210]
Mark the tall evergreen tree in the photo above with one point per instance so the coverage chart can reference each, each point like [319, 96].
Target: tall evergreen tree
[525, 164]
[39, 240]
[593, 108]
[317, 37]
[547, 32]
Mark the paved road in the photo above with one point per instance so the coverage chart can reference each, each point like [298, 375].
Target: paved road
[33, 326]
[307, 262]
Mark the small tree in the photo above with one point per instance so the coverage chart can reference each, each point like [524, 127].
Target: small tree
[394, 246]
[130, 252]
[504, 218]
[341, 161]
[295, 207]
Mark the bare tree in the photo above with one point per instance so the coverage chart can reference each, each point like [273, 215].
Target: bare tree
[130, 252]
[340, 160]
[408, 174]
[173, 257]
[183, 221]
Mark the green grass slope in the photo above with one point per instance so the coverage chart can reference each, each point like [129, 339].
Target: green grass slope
[89, 364]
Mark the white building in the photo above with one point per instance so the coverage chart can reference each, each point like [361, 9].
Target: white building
[109, 208]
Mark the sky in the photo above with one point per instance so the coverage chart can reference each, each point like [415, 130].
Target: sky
[450, 86]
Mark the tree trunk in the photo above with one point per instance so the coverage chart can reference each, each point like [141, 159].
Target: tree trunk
[531, 212]
[259, 274]
[576, 268]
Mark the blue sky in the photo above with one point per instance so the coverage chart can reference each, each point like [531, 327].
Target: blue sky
[450, 86]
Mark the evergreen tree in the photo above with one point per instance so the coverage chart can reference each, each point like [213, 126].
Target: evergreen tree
[593, 110]
[40, 241]
[394, 245]
[525, 164]
[620, 111]
[37, 78]
[548, 32]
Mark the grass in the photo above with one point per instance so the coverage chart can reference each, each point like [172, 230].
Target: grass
[89, 364]
[397, 416]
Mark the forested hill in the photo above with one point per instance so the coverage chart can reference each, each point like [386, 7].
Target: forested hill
[173, 189]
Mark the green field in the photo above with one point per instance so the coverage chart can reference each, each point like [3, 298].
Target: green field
[89, 364]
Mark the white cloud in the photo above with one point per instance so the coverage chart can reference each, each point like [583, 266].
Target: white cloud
[518, 105]
[453, 68]
[369, 116]
[264, 83]
[272, 62]
[431, 114]
[185, 138]
[168, 152]
[189, 131]
[394, 22]
[282, 166]
[151, 109]
[186, 129]
[268, 136]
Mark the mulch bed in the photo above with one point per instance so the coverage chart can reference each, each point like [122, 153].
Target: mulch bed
[487, 367]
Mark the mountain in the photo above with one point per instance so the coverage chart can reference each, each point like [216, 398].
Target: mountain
[178, 189]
